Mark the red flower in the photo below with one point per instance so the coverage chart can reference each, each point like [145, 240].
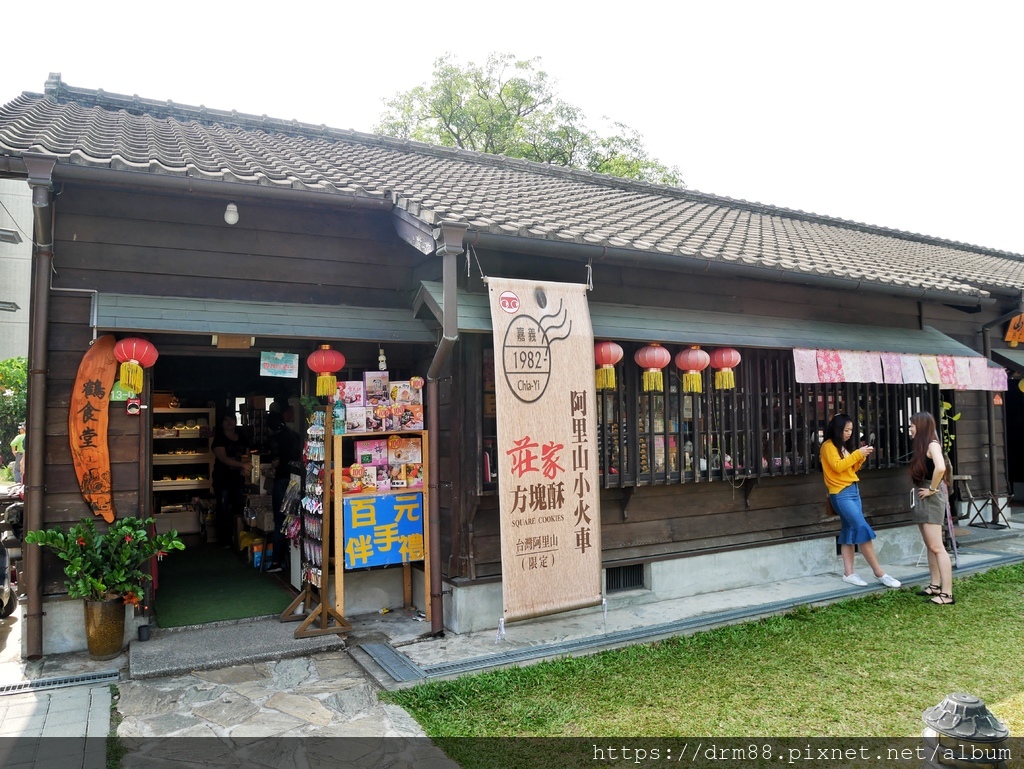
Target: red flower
[80, 541]
[127, 537]
[131, 598]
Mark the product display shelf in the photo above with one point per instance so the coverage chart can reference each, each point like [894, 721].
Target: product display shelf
[341, 495]
[181, 453]
[315, 612]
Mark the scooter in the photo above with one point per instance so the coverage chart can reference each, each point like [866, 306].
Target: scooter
[10, 549]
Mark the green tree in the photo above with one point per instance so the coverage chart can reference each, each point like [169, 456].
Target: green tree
[13, 392]
[509, 107]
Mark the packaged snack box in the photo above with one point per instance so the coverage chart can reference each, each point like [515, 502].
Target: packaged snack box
[377, 391]
[404, 392]
[410, 417]
[383, 478]
[352, 393]
[403, 450]
[373, 422]
[396, 476]
[355, 419]
[373, 451]
[414, 475]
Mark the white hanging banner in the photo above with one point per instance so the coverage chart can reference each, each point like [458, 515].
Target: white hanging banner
[547, 447]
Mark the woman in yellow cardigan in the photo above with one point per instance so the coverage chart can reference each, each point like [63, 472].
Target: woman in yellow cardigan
[839, 464]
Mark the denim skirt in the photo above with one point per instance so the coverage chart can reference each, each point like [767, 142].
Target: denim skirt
[855, 530]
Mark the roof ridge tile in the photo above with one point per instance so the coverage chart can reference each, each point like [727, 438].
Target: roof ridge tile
[496, 194]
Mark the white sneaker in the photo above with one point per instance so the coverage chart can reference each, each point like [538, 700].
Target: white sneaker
[854, 579]
[888, 581]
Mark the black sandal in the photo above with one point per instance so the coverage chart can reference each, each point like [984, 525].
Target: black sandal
[944, 599]
[930, 590]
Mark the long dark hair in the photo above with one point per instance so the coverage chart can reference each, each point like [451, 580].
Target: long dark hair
[834, 432]
[925, 433]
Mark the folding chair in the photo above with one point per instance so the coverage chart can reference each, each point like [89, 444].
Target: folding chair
[977, 506]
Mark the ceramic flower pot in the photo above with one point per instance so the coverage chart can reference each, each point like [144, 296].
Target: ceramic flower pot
[104, 627]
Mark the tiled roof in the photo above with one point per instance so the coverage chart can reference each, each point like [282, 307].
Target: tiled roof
[492, 194]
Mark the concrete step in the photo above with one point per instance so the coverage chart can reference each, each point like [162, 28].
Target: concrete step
[176, 651]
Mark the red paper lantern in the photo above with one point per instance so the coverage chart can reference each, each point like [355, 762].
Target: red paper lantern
[691, 362]
[724, 360]
[325, 362]
[652, 359]
[135, 354]
[606, 355]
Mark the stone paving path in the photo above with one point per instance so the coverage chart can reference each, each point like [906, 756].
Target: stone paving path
[324, 695]
[258, 706]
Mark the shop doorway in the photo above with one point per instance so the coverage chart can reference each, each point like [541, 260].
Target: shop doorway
[1014, 405]
[221, 574]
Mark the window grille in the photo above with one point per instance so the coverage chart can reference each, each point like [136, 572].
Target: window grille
[769, 425]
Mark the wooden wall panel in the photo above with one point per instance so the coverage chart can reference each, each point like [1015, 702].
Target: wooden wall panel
[666, 521]
[180, 246]
[177, 209]
[617, 284]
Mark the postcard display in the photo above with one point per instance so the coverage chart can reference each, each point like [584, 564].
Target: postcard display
[312, 607]
[382, 495]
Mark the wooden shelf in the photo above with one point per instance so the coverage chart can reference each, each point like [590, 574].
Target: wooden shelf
[194, 438]
[183, 459]
[359, 436]
[385, 493]
[165, 485]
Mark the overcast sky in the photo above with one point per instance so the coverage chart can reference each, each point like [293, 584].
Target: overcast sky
[904, 114]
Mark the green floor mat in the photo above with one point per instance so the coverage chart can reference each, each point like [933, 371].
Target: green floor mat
[205, 583]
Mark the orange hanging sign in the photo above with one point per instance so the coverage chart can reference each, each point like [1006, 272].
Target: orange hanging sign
[1015, 331]
[87, 426]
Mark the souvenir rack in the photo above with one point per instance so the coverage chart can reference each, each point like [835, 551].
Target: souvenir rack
[312, 606]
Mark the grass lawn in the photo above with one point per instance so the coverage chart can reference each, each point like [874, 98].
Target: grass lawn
[865, 667]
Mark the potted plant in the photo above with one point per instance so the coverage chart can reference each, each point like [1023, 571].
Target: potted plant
[108, 570]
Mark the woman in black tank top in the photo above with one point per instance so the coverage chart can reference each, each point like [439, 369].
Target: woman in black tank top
[931, 502]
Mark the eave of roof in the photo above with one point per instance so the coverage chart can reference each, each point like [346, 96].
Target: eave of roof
[682, 326]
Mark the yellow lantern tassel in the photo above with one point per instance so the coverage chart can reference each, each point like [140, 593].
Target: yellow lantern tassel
[131, 376]
[653, 381]
[605, 378]
[725, 379]
[693, 382]
[326, 385]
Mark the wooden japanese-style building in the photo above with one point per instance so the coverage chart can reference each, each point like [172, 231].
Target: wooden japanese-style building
[371, 243]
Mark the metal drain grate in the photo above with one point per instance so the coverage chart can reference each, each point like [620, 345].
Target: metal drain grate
[396, 664]
[38, 684]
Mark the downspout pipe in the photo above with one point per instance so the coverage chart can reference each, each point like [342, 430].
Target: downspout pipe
[449, 238]
[40, 181]
[990, 408]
